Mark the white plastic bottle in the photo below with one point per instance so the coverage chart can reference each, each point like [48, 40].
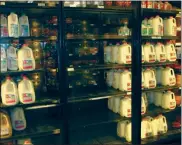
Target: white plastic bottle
[149, 52]
[12, 58]
[4, 26]
[128, 132]
[170, 28]
[3, 59]
[168, 100]
[162, 124]
[26, 59]
[107, 53]
[125, 81]
[114, 52]
[125, 107]
[13, 25]
[110, 77]
[157, 24]
[26, 91]
[9, 92]
[168, 77]
[116, 79]
[170, 52]
[110, 103]
[150, 79]
[160, 52]
[143, 55]
[121, 128]
[24, 26]
[116, 104]
[18, 119]
[144, 103]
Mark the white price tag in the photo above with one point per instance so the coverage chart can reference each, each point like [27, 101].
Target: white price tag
[70, 69]
[98, 98]
[156, 37]
[70, 54]
[56, 131]
[41, 4]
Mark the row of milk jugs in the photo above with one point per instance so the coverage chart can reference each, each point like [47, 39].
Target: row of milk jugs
[121, 80]
[121, 54]
[158, 27]
[11, 94]
[11, 61]
[123, 107]
[149, 127]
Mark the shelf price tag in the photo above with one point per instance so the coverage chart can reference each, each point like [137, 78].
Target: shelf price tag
[98, 98]
[41, 4]
[156, 37]
[70, 69]
[128, 93]
[56, 131]
[2, 3]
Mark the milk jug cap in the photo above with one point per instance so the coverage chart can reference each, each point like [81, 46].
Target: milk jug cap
[24, 77]
[147, 43]
[171, 17]
[8, 78]
[25, 45]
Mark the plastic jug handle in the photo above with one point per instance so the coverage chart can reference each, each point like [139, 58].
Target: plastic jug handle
[174, 20]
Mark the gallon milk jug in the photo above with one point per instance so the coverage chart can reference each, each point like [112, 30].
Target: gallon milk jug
[3, 59]
[107, 53]
[149, 78]
[12, 58]
[162, 124]
[160, 52]
[128, 132]
[110, 103]
[26, 59]
[18, 119]
[158, 72]
[143, 80]
[116, 104]
[168, 100]
[26, 91]
[121, 128]
[24, 26]
[125, 107]
[152, 128]
[116, 79]
[125, 81]
[157, 24]
[168, 77]
[5, 123]
[124, 54]
[3, 26]
[114, 53]
[158, 98]
[143, 55]
[170, 52]
[149, 53]
[144, 124]
[9, 92]
[13, 25]
[144, 103]
[170, 28]
[110, 77]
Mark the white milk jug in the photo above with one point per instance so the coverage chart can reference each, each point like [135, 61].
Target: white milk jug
[107, 53]
[157, 24]
[158, 97]
[170, 52]
[144, 103]
[121, 128]
[168, 77]
[128, 132]
[170, 28]
[124, 54]
[116, 104]
[13, 25]
[152, 127]
[110, 77]
[24, 26]
[116, 79]
[4, 65]
[12, 58]
[125, 107]
[18, 119]
[160, 52]
[149, 78]
[9, 92]
[26, 59]
[168, 100]
[149, 53]
[143, 82]
[162, 124]
[4, 26]
[26, 91]
[110, 103]
[143, 55]
[125, 81]
[158, 72]
[114, 53]
[144, 125]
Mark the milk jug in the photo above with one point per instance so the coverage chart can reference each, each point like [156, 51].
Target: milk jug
[170, 28]
[18, 119]
[125, 107]
[143, 55]
[116, 104]
[114, 53]
[170, 52]
[144, 103]
[107, 53]
[157, 24]
[3, 59]
[168, 100]
[128, 132]
[160, 52]
[144, 27]
[9, 92]
[158, 72]
[149, 53]
[124, 54]
[143, 82]
[121, 128]
[116, 79]
[158, 97]
[144, 125]
[149, 78]
[110, 103]
[5, 123]
[13, 25]
[26, 59]
[125, 81]
[162, 124]
[26, 91]
[24, 26]
[110, 77]
[12, 58]
[3, 26]
[152, 126]
[168, 77]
